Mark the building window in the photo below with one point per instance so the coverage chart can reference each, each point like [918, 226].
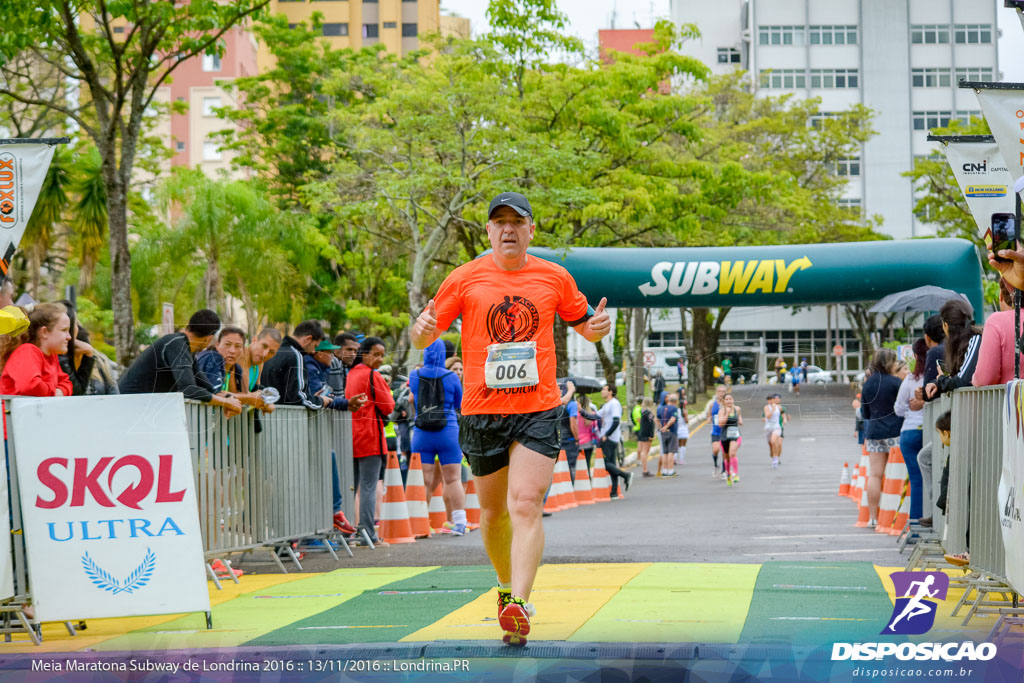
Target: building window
[211, 62]
[119, 29]
[390, 24]
[930, 78]
[986, 74]
[848, 167]
[833, 35]
[783, 78]
[964, 117]
[851, 204]
[209, 104]
[782, 35]
[834, 78]
[211, 151]
[929, 34]
[409, 31]
[292, 25]
[973, 34]
[371, 31]
[728, 55]
[926, 120]
[180, 146]
[816, 120]
[335, 29]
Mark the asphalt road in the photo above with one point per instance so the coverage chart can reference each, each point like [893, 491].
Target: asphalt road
[792, 513]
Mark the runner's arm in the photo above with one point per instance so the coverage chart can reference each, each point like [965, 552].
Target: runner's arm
[595, 325]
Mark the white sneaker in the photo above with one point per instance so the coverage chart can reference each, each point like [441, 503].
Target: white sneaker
[714, 473]
[725, 475]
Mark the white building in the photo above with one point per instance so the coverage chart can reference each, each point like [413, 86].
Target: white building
[901, 58]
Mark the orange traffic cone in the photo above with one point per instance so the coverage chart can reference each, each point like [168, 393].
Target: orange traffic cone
[472, 505]
[861, 479]
[436, 510]
[583, 492]
[903, 513]
[416, 498]
[892, 484]
[566, 499]
[394, 513]
[844, 480]
[602, 481]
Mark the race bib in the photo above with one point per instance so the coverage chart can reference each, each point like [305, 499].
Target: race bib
[511, 365]
[732, 433]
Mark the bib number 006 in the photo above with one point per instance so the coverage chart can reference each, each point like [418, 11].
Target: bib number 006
[511, 365]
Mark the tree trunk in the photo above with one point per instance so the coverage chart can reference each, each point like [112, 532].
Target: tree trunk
[607, 364]
[120, 261]
[561, 347]
[700, 368]
[635, 354]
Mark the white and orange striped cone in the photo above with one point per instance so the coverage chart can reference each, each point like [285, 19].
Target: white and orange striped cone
[416, 498]
[844, 480]
[602, 481]
[862, 479]
[903, 513]
[863, 512]
[854, 481]
[437, 512]
[566, 499]
[472, 505]
[583, 492]
[892, 485]
[394, 513]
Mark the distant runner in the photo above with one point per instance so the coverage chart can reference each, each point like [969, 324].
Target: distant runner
[711, 414]
[511, 406]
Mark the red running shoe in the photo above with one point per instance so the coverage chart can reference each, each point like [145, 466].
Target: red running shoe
[342, 524]
[515, 621]
[504, 597]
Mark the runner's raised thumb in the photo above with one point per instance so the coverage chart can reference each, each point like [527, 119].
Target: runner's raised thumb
[600, 306]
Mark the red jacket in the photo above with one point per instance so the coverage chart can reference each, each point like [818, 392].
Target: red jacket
[30, 372]
[367, 422]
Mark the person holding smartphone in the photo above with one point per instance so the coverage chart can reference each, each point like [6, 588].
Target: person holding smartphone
[963, 341]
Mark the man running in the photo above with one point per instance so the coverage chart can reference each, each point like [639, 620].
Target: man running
[711, 414]
[511, 404]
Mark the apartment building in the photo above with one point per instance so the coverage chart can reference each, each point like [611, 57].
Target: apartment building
[901, 58]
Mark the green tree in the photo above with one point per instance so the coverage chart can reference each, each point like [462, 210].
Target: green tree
[118, 76]
[89, 214]
[229, 239]
[48, 215]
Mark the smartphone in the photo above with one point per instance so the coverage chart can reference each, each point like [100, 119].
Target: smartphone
[1004, 233]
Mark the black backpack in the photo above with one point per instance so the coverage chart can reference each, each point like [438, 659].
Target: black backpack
[430, 414]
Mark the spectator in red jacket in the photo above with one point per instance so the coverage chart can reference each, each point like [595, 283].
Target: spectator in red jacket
[369, 444]
[31, 361]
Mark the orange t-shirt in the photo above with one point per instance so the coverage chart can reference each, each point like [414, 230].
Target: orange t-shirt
[500, 306]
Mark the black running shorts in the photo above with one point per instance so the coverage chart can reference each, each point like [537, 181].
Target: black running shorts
[486, 439]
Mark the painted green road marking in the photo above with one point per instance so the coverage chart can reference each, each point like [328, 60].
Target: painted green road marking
[246, 617]
[779, 614]
[389, 612]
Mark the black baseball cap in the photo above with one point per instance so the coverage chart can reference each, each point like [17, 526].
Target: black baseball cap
[517, 201]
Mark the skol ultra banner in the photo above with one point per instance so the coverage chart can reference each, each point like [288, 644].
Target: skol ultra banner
[1004, 112]
[983, 178]
[109, 506]
[22, 170]
[1011, 484]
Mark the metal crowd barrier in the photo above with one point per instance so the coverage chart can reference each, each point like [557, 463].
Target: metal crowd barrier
[269, 488]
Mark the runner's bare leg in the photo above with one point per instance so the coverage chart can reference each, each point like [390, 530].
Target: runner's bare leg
[529, 478]
[454, 494]
[495, 523]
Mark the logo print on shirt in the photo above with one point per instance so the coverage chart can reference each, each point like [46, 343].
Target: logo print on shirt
[514, 319]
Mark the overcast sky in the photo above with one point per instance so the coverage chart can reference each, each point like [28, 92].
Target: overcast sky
[587, 16]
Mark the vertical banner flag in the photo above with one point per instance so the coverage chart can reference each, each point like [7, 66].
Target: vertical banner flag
[22, 171]
[1003, 107]
[6, 560]
[983, 179]
[1010, 496]
[111, 521]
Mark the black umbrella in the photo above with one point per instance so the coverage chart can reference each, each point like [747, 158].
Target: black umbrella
[919, 299]
[584, 385]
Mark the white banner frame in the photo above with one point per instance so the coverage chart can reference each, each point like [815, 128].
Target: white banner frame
[111, 523]
[1010, 494]
[23, 166]
[981, 175]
